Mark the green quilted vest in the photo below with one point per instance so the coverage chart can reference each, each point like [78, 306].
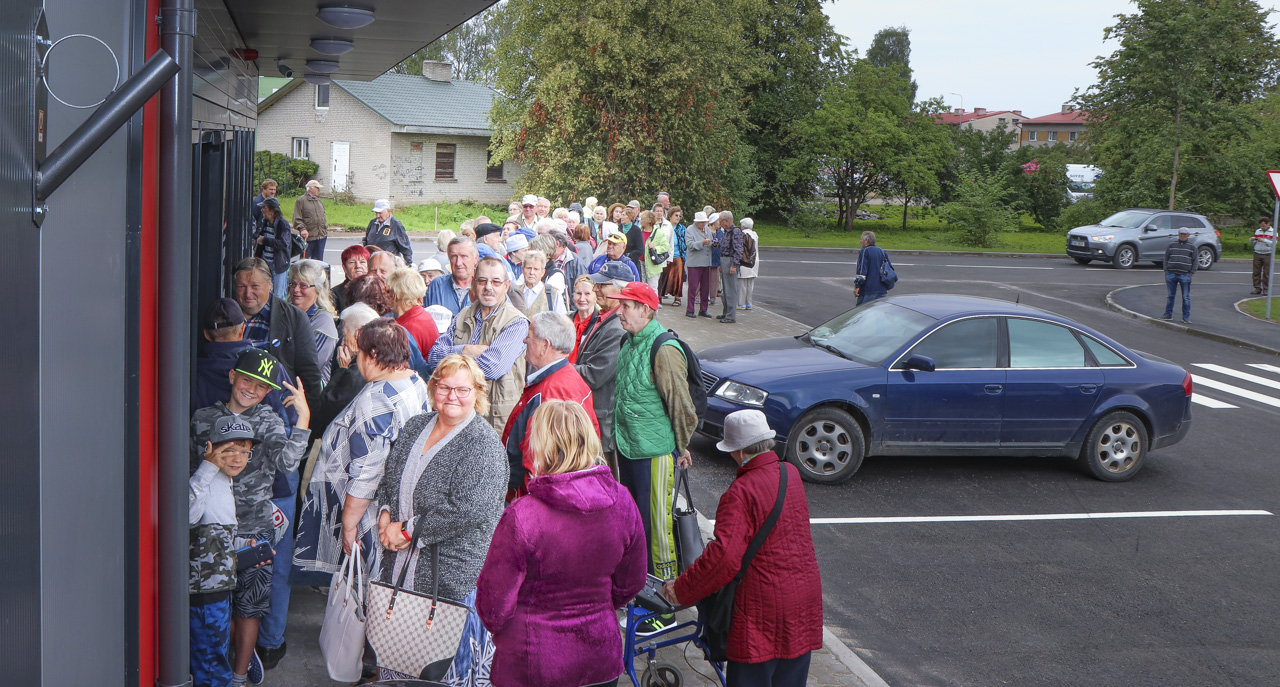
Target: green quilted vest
[641, 427]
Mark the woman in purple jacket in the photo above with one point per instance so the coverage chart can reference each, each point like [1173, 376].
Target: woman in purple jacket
[562, 560]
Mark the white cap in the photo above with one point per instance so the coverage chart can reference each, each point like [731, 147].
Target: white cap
[517, 242]
[315, 183]
[743, 428]
[381, 205]
[529, 199]
[430, 264]
[699, 216]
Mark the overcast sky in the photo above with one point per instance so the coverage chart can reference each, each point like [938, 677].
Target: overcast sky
[998, 54]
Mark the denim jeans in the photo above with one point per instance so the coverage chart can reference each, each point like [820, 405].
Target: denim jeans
[280, 285]
[1172, 280]
[271, 630]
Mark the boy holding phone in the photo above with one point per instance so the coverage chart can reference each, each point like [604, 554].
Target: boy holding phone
[252, 378]
[212, 517]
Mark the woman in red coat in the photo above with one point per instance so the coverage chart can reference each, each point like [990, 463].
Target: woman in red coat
[777, 612]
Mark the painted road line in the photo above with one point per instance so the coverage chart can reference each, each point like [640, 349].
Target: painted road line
[1210, 402]
[832, 262]
[1265, 368]
[1232, 389]
[1038, 516]
[1260, 381]
[1001, 267]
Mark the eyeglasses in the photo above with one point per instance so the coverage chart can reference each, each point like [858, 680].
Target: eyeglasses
[485, 282]
[462, 393]
[300, 285]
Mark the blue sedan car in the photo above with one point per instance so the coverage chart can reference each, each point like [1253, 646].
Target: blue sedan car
[951, 375]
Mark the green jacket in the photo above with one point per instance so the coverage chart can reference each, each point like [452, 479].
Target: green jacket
[641, 426]
[658, 242]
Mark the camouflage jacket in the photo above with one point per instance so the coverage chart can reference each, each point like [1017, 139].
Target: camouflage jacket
[275, 451]
[212, 511]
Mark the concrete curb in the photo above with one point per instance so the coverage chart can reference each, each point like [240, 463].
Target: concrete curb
[830, 641]
[1242, 311]
[955, 253]
[1204, 334]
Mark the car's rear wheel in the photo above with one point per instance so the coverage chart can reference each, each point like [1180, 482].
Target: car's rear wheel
[1205, 258]
[1116, 447]
[1082, 261]
[1125, 257]
[826, 445]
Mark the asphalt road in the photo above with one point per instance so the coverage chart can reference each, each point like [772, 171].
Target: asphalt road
[1190, 598]
[1187, 600]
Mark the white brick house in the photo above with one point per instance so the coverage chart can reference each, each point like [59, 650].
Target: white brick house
[410, 139]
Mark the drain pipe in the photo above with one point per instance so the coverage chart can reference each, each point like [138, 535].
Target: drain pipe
[174, 346]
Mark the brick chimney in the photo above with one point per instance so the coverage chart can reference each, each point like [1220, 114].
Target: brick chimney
[979, 110]
[437, 71]
[958, 110]
[1066, 108]
[1017, 112]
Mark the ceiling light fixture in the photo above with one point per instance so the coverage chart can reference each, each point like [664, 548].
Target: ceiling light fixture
[345, 16]
[332, 46]
[322, 66]
[317, 79]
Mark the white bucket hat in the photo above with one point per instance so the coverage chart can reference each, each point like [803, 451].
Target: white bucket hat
[743, 428]
[699, 216]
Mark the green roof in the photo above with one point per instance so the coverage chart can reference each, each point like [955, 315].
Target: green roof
[416, 101]
[270, 84]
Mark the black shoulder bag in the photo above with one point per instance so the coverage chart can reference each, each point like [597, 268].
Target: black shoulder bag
[716, 611]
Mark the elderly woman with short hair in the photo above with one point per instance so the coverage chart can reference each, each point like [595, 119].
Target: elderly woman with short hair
[445, 482]
[354, 450]
[562, 561]
[355, 262]
[309, 292]
[408, 289]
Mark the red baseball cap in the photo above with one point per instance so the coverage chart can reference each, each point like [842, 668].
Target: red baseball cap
[640, 292]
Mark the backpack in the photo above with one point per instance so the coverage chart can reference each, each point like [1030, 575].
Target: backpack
[693, 371]
[748, 250]
[888, 276]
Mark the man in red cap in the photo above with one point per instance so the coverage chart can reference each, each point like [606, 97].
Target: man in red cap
[654, 419]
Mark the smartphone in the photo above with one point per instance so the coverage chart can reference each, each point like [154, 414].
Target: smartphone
[250, 556]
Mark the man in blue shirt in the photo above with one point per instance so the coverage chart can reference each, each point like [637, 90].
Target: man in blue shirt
[453, 290]
[614, 249]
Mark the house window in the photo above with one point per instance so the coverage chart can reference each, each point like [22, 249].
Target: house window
[445, 155]
[1073, 136]
[1053, 135]
[1031, 135]
[1016, 120]
[302, 148]
[322, 96]
[1000, 120]
[493, 172]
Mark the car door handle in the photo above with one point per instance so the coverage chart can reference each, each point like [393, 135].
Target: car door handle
[1088, 388]
[994, 388]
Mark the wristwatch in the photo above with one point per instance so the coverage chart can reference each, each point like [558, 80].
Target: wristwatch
[404, 530]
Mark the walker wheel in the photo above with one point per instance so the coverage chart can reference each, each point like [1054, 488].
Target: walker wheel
[661, 675]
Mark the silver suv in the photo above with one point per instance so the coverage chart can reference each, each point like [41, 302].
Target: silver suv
[1142, 234]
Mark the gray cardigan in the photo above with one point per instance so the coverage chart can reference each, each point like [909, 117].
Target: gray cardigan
[696, 254]
[598, 365]
[458, 501]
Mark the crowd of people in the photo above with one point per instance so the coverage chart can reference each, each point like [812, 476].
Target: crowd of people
[519, 414]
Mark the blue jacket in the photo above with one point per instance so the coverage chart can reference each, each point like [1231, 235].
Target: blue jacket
[604, 257]
[440, 292]
[868, 275]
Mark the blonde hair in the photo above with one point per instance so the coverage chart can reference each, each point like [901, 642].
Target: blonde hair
[407, 286]
[647, 218]
[562, 439]
[313, 272]
[443, 239]
[450, 365]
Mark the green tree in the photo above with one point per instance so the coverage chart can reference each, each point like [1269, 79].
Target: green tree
[1172, 96]
[977, 152]
[930, 149]
[891, 49]
[620, 99]
[1039, 183]
[469, 47]
[798, 53]
[981, 212]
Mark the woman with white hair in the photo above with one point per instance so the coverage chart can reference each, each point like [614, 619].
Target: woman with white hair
[308, 288]
[747, 275]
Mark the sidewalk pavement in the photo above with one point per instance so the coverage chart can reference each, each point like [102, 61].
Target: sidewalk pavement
[1214, 313]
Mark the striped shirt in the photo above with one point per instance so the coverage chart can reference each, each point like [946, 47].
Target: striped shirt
[258, 326]
[497, 360]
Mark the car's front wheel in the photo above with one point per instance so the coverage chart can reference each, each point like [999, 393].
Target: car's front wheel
[1205, 258]
[1082, 261]
[826, 445]
[1125, 257]
[1116, 447]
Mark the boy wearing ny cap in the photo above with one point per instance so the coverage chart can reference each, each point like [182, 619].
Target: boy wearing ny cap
[212, 517]
[387, 232]
[252, 378]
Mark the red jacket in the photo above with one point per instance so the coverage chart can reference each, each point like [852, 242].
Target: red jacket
[421, 326]
[778, 609]
[561, 382]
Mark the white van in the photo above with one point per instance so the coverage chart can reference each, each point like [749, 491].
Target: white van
[1080, 181]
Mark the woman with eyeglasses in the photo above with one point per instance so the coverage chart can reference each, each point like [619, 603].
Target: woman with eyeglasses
[309, 291]
[445, 481]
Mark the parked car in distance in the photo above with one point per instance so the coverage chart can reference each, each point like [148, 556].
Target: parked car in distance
[951, 375]
[1141, 234]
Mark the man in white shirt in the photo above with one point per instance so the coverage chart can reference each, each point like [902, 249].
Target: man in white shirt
[539, 296]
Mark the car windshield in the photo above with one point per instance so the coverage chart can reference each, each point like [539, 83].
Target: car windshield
[1125, 219]
[869, 333]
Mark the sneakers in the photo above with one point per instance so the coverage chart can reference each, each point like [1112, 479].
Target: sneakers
[652, 626]
[704, 313]
[271, 657]
[689, 314]
[1166, 317]
[256, 673]
[1187, 321]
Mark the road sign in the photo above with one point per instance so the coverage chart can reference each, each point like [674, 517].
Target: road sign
[1274, 176]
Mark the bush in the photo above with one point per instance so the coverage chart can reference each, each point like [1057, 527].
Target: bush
[980, 213]
[290, 174]
[1082, 213]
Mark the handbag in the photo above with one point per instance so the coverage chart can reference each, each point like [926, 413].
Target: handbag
[298, 247]
[688, 534]
[715, 612]
[342, 634]
[888, 276]
[411, 633]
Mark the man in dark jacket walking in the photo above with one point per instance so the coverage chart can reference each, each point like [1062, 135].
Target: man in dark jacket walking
[387, 233]
[276, 326]
[1179, 265]
[867, 284]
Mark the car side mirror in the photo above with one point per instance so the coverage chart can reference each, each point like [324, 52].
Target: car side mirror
[1150, 228]
[919, 362]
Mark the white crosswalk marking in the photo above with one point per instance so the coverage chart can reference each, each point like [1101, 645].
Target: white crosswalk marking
[1261, 381]
[1238, 391]
[1210, 402]
[1265, 367]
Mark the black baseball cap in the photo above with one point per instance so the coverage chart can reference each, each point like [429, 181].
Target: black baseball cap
[222, 313]
[260, 365]
[231, 428]
[270, 203]
[613, 270]
[486, 229]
